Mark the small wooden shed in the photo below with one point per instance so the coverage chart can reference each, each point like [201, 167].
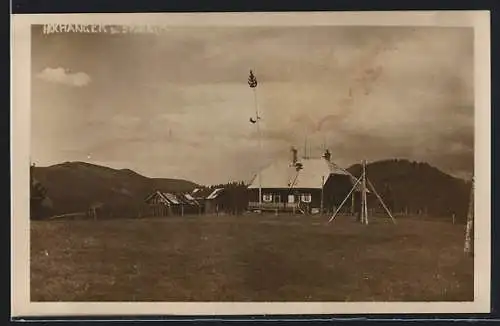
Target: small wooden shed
[170, 204]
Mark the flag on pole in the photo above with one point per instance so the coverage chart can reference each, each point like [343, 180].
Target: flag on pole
[252, 81]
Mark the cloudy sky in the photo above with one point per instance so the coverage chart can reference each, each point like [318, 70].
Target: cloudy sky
[178, 104]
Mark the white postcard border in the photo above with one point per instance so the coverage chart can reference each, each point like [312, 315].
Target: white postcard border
[20, 154]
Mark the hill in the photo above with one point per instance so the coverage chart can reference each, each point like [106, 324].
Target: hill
[74, 186]
[407, 187]
[418, 188]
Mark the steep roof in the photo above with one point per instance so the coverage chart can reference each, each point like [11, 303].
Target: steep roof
[188, 199]
[283, 174]
[173, 199]
[201, 193]
[159, 194]
[215, 193]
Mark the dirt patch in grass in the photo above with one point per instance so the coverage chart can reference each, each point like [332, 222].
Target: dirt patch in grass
[249, 258]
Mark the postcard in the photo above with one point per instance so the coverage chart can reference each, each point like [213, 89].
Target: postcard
[251, 163]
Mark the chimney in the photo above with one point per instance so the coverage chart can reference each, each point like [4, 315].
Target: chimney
[32, 169]
[327, 155]
[294, 155]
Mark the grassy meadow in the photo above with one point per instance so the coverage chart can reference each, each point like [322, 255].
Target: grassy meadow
[249, 258]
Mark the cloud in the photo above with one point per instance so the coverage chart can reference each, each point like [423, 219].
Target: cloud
[182, 98]
[64, 76]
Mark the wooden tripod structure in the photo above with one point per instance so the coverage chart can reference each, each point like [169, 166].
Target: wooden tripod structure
[364, 182]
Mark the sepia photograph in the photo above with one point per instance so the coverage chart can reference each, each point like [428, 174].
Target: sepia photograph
[255, 163]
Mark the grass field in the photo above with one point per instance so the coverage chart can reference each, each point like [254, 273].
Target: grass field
[249, 258]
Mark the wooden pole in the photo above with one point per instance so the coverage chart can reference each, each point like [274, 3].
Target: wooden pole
[364, 206]
[470, 223]
[362, 202]
[305, 147]
[322, 193]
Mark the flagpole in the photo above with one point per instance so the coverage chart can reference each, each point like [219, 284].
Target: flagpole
[252, 82]
[322, 193]
[260, 144]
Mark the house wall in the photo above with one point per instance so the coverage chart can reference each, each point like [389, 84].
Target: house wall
[281, 196]
[174, 210]
[335, 190]
[159, 207]
[230, 201]
[211, 206]
[161, 210]
[191, 209]
[214, 206]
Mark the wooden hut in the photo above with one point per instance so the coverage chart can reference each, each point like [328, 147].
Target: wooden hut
[214, 203]
[211, 200]
[161, 205]
[169, 204]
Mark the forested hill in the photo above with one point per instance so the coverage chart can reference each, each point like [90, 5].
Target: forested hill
[417, 187]
[74, 186]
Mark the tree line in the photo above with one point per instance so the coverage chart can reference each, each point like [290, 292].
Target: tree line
[39, 200]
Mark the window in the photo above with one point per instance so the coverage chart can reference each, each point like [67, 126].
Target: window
[267, 198]
[291, 199]
[306, 198]
[277, 198]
